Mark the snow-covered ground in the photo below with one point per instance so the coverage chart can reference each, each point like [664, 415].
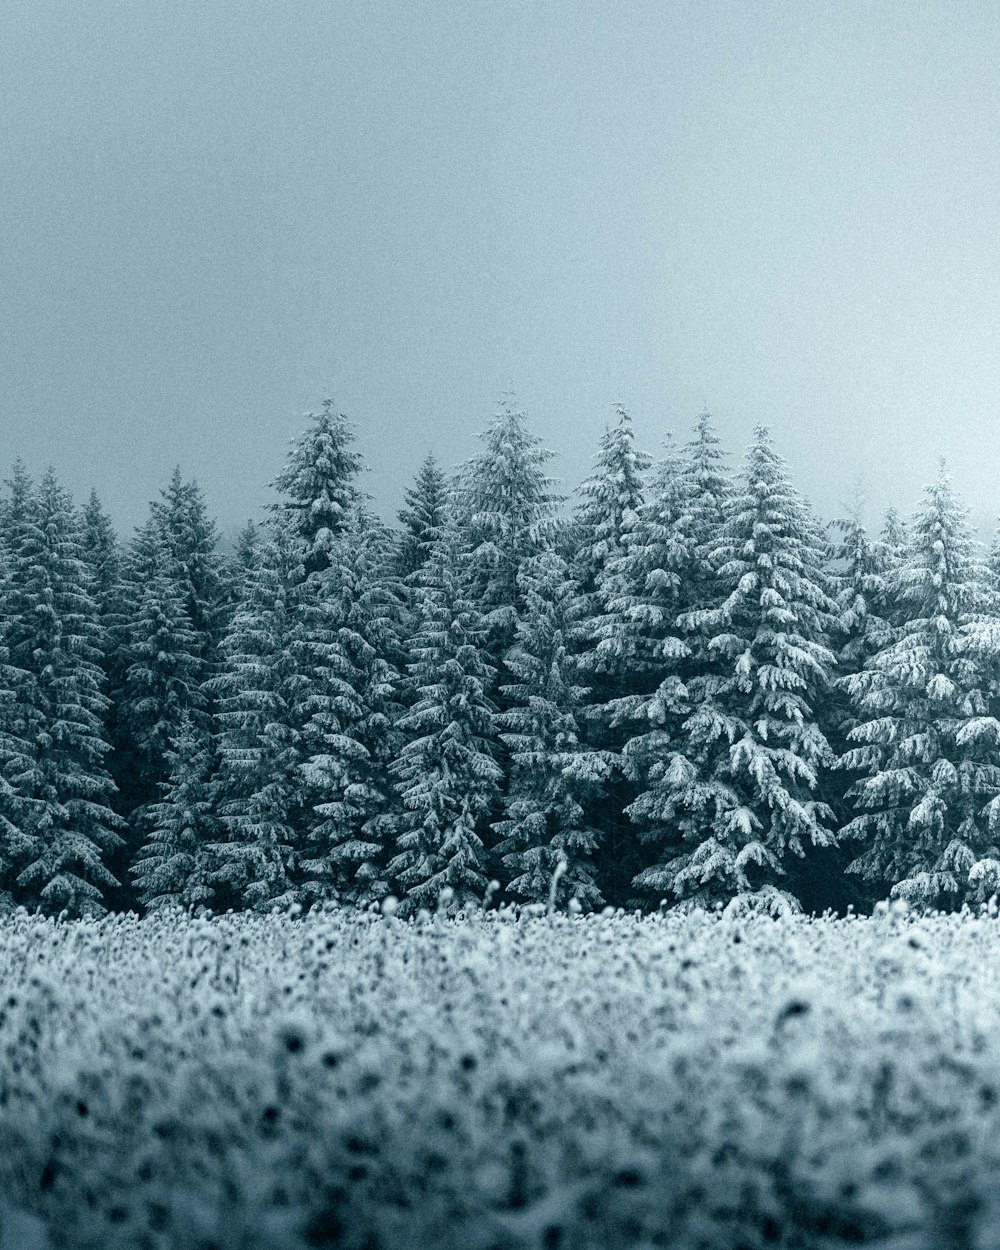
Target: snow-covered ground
[360, 1081]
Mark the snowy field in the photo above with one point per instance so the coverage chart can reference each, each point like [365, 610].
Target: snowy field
[358, 1081]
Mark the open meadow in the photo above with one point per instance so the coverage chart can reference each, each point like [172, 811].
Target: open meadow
[354, 1080]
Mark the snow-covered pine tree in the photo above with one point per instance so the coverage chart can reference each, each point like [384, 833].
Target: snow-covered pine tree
[182, 530]
[861, 579]
[740, 782]
[102, 552]
[708, 495]
[446, 774]
[319, 486]
[244, 559]
[895, 532]
[892, 545]
[57, 792]
[15, 504]
[664, 570]
[351, 645]
[163, 673]
[166, 638]
[174, 864]
[258, 788]
[552, 772]
[505, 508]
[630, 650]
[864, 595]
[611, 500]
[926, 745]
[247, 545]
[234, 572]
[640, 662]
[644, 591]
[16, 751]
[423, 516]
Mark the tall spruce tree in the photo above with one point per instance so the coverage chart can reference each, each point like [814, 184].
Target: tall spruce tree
[739, 788]
[640, 662]
[175, 862]
[708, 495]
[351, 645]
[505, 508]
[258, 789]
[926, 802]
[16, 751]
[446, 774]
[102, 552]
[162, 680]
[184, 533]
[553, 773]
[665, 568]
[644, 590]
[57, 792]
[424, 516]
[633, 657]
[318, 485]
[611, 501]
[167, 636]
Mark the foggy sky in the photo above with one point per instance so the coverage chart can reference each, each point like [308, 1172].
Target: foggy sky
[213, 213]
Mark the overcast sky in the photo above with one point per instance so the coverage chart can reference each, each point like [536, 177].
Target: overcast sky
[213, 213]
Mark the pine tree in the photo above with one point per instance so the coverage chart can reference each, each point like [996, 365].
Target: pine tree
[864, 596]
[553, 772]
[611, 500]
[740, 785]
[423, 517]
[166, 638]
[351, 646]
[664, 569]
[632, 654]
[319, 486]
[446, 773]
[644, 591]
[162, 679]
[245, 555]
[638, 662]
[259, 784]
[183, 531]
[234, 572]
[892, 545]
[708, 496]
[174, 865]
[16, 753]
[15, 506]
[927, 806]
[57, 792]
[505, 507]
[102, 552]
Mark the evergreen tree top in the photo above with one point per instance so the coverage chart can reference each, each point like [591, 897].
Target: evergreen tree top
[706, 459]
[425, 513]
[942, 575]
[504, 488]
[248, 545]
[894, 531]
[616, 488]
[321, 495]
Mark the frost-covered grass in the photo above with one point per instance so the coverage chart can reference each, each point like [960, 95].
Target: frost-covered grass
[358, 1081]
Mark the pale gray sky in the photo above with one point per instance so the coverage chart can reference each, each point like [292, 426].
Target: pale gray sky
[215, 212]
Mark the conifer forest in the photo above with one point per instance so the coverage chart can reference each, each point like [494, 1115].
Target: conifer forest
[675, 688]
[535, 873]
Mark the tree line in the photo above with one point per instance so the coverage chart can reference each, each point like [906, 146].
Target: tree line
[682, 690]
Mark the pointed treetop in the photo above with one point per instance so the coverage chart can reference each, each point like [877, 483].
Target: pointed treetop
[321, 497]
[425, 513]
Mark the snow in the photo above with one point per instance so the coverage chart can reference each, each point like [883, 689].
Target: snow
[692, 1080]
